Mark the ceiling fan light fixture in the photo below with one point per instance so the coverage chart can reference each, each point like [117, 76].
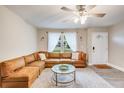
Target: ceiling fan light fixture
[76, 13]
[83, 12]
[83, 19]
[76, 20]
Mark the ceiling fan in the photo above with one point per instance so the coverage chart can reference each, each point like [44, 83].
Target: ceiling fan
[83, 12]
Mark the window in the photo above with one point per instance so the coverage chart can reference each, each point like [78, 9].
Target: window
[61, 42]
[62, 45]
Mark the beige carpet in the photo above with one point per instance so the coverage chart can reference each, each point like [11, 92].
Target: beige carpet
[85, 78]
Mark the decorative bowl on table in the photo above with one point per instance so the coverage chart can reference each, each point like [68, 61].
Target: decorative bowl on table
[63, 67]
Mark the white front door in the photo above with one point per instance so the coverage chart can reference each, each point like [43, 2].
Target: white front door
[99, 48]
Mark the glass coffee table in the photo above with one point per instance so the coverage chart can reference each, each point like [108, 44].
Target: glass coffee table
[64, 73]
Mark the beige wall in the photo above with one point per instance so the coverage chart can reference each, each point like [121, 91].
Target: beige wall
[42, 44]
[17, 38]
[116, 46]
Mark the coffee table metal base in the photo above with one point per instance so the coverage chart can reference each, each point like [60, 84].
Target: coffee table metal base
[64, 78]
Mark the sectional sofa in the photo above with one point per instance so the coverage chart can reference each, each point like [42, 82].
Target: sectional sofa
[23, 71]
[65, 58]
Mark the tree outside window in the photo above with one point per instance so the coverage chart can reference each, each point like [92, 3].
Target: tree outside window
[62, 45]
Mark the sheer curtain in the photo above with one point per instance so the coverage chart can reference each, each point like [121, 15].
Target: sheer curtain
[53, 38]
[71, 38]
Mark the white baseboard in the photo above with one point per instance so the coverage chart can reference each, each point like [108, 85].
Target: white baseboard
[117, 67]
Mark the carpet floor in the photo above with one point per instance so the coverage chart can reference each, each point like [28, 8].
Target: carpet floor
[85, 78]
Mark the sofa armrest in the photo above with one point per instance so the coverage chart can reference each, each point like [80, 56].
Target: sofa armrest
[83, 56]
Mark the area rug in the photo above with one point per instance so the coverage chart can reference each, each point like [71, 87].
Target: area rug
[102, 66]
[113, 76]
[85, 78]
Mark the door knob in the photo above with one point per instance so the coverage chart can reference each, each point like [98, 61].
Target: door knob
[93, 48]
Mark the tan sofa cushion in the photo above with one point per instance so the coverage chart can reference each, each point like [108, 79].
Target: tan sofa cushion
[29, 58]
[63, 60]
[71, 61]
[66, 60]
[53, 55]
[8, 67]
[78, 61]
[23, 74]
[65, 55]
[39, 64]
[52, 60]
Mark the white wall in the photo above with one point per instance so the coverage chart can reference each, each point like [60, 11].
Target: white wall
[42, 44]
[17, 38]
[116, 46]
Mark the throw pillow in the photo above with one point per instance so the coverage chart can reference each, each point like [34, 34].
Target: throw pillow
[42, 56]
[75, 55]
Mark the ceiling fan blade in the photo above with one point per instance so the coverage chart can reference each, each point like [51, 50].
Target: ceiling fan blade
[89, 7]
[80, 7]
[99, 14]
[67, 9]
